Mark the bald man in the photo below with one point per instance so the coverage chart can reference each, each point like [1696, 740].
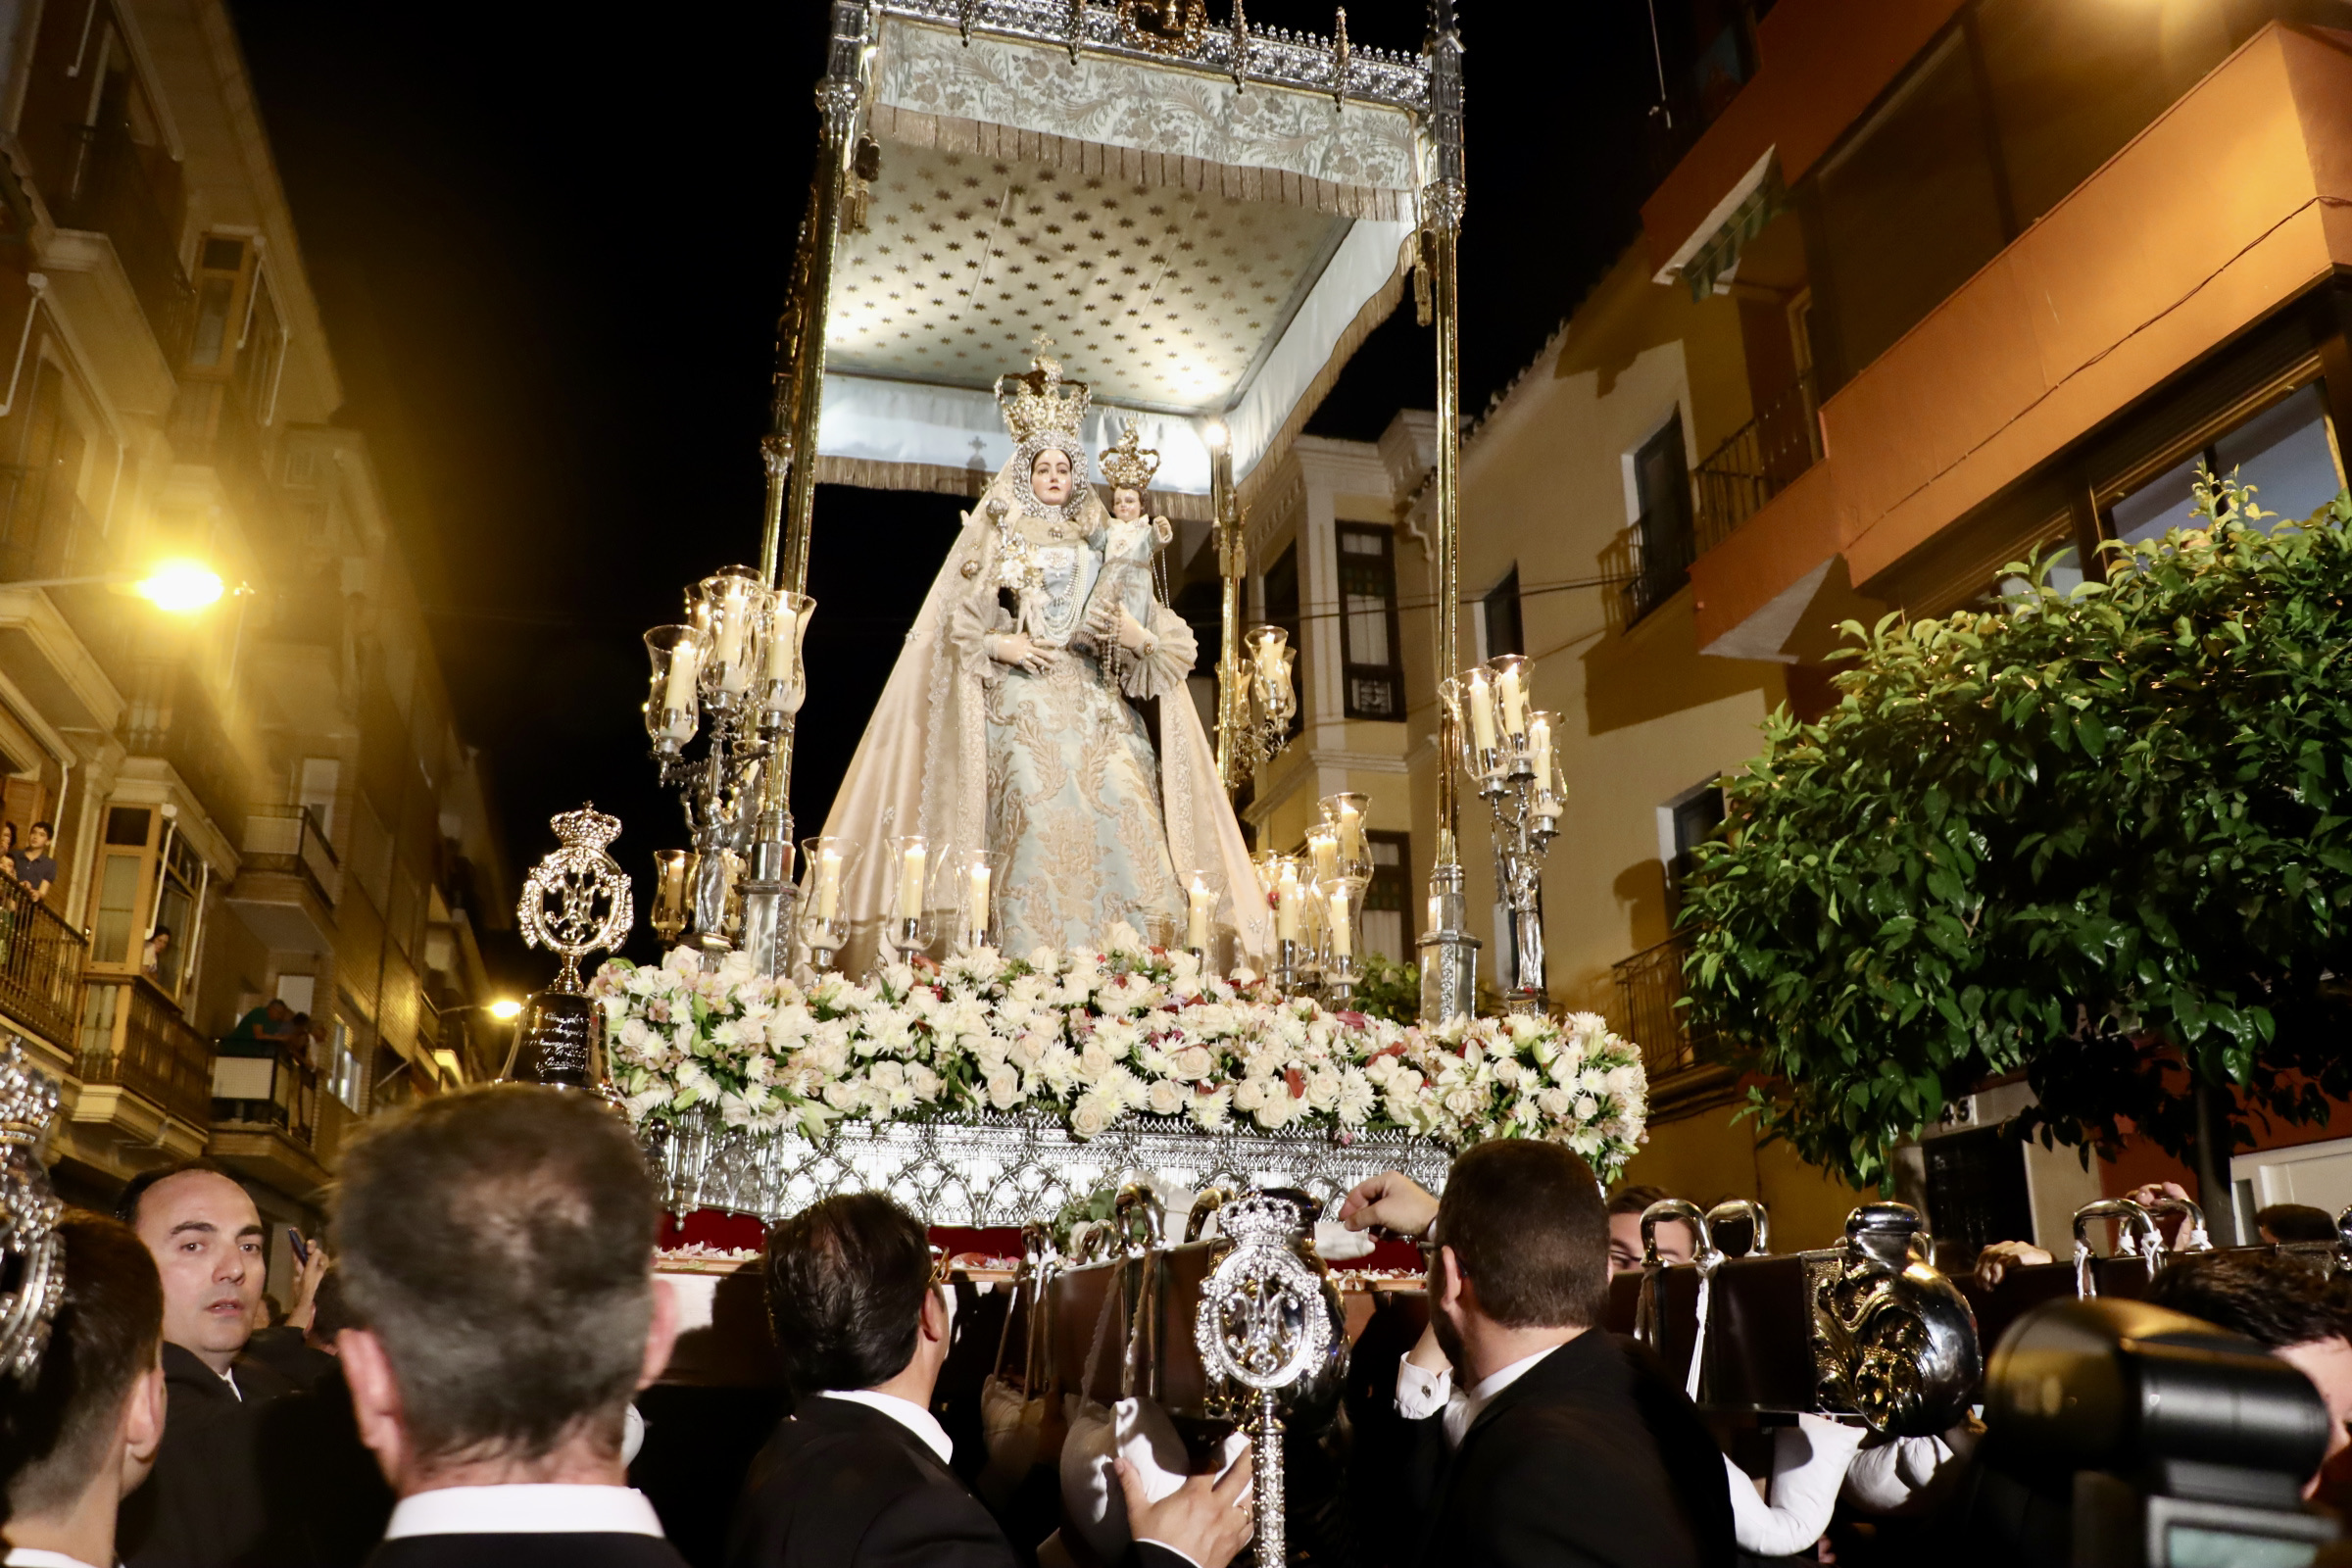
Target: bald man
[204, 1504]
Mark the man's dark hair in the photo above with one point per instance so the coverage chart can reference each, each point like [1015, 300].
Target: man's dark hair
[1526, 1223]
[1634, 1198]
[135, 1191]
[49, 828]
[846, 1281]
[2295, 1222]
[500, 1244]
[109, 1329]
[2271, 1300]
[330, 1309]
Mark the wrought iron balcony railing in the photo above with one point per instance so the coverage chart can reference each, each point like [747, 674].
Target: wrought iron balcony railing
[1650, 991]
[40, 965]
[1757, 462]
[131, 1034]
[108, 190]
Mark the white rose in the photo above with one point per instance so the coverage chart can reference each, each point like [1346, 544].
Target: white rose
[1461, 1102]
[1003, 1087]
[924, 1083]
[1095, 1062]
[1250, 1094]
[1379, 1069]
[1091, 1117]
[1166, 1098]
[1323, 1087]
[1508, 1073]
[1195, 1063]
[1553, 1101]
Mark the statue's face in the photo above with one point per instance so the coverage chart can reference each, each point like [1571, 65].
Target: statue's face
[1126, 504]
[1049, 478]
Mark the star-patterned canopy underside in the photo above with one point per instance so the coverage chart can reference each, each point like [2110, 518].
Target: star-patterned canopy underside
[1156, 297]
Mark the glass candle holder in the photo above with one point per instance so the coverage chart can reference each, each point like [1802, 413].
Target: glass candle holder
[1270, 674]
[1543, 763]
[824, 911]
[783, 671]
[1342, 903]
[674, 884]
[1200, 911]
[1485, 751]
[735, 601]
[1323, 851]
[906, 894]
[672, 706]
[976, 881]
[1348, 813]
[1513, 698]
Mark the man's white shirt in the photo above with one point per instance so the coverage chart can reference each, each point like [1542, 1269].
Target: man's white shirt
[907, 1413]
[524, 1510]
[36, 1557]
[1422, 1393]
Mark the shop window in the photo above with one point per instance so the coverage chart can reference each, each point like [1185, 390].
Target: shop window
[1368, 622]
[2284, 452]
[1498, 614]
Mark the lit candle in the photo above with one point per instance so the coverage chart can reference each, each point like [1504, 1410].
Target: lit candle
[677, 694]
[1351, 832]
[1324, 846]
[732, 617]
[975, 914]
[911, 881]
[776, 657]
[1202, 900]
[1342, 939]
[1514, 700]
[1482, 710]
[1286, 898]
[1538, 750]
[828, 885]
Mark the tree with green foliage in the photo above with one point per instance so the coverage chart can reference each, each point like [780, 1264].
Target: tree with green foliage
[2100, 838]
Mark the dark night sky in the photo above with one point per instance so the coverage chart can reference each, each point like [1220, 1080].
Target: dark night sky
[549, 252]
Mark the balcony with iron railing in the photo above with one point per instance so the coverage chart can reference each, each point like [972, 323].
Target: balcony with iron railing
[1755, 463]
[40, 965]
[266, 1113]
[108, 190]
[1682, 1060]
[289, 880]
[134, 1043]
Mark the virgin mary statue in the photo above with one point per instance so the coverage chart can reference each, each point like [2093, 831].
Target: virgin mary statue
[1015, 719]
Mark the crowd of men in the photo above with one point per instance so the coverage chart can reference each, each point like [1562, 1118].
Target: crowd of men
[457, 1388]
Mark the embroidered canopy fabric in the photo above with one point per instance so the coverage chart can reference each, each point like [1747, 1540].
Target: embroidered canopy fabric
[1195, 251]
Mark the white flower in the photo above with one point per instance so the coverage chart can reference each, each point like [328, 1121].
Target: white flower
[1379, 1069]
[1553, 1101]
[1461, 1102]
[1250, 1094]
[1323, 1086]
[1003, 1087]
[923, 1083]
[1212, 1110]
[1095, 1062]
[1194, 1064]
[1165, 1098]
[1093, 1115]
[1585, 1108]
[1357, 1097]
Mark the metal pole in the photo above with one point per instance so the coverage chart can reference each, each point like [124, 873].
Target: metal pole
[1233, 699]
[790, 454]
[1448, 951]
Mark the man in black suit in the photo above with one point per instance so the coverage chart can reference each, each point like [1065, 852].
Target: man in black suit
[81, 1429]
[206, 1503]
[497, 1251]
[1547, 1452]
[858, 1476]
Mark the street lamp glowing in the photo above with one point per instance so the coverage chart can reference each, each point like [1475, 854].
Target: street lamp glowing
[505, 1010]
[180, 586]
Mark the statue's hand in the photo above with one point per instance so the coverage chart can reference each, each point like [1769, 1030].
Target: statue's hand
[1015, 648]
[1132, 635]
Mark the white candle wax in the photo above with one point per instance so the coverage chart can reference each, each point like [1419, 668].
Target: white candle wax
[1538, 752]
[1482, 710]
[828, 885]
[911, 881]
[1202, 900]
[975, 914]
[1351, 832]
[1326, 851]
[677, 693]
[1342, 939]
[1286, 907]
[1514, 702]
[732, 625]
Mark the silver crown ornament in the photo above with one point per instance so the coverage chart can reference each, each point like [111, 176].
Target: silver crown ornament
[575, 901]
[32, 1257]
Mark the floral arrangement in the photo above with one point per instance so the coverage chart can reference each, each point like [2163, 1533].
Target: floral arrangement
[1092, 1040]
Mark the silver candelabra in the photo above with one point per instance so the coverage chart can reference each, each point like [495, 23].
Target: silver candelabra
[1507, 750]
[733, 672]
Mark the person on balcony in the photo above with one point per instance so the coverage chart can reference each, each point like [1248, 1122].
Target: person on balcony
[34, 864]
[151, 957]
[259, 1031]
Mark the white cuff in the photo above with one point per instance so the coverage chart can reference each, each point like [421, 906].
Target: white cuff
[1421, 1392]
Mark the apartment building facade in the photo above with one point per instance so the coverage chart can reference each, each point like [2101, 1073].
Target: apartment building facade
[273, 785]
[1995, 275]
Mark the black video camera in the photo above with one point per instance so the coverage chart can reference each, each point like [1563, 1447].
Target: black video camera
[2188, 1445]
